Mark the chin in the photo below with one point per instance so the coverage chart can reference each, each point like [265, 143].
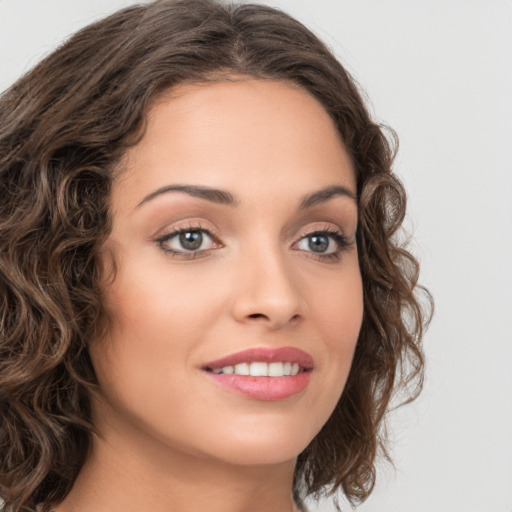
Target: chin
[258, 454]
[263, 444]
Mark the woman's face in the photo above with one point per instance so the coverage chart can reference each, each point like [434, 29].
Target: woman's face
[234, 225]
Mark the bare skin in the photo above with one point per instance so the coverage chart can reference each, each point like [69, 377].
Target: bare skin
[266, 273]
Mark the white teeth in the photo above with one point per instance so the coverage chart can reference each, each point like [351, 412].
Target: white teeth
[260, 369]
[242, 369]
[275, 370]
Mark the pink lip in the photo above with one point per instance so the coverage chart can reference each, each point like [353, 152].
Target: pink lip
[264, 388]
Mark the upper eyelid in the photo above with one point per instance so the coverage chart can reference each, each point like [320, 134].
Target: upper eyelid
[199, 225]
[329, 229]
[324, 229]
[174, 232]
[184, 226]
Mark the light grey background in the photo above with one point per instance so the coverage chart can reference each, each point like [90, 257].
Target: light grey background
[440, 73]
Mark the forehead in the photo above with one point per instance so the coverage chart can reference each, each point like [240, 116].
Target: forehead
[250, 134]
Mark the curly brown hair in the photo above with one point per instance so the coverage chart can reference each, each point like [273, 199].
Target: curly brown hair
[63, 128]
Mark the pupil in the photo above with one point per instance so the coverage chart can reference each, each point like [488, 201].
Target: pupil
[191, 240]
[318, 243]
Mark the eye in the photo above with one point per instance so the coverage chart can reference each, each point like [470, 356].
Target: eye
[326, 244]
[318, 242]
[188, 242]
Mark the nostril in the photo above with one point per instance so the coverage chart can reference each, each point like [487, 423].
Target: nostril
[257, 315]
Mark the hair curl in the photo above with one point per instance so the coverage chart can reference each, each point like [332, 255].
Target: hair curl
[63, 128]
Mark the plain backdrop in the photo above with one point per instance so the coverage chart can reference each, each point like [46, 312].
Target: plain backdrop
[440, 73]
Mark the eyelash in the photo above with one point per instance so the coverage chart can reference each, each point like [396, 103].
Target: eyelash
[187, 255]
[339, 239]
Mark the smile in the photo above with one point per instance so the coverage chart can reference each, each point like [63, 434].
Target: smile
[263, 374]
[261, 369]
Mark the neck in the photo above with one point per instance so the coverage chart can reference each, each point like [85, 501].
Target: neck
[127, 473]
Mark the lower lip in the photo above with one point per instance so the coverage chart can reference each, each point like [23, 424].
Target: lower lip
[263, 388]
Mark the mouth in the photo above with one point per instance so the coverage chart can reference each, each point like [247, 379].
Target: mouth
[260, 369]
[263, 374]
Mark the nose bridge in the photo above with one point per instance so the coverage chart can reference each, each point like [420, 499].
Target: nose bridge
[267, 289]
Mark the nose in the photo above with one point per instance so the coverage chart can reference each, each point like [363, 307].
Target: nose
[266, 292]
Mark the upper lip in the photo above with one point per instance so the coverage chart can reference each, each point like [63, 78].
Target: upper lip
[264, 355]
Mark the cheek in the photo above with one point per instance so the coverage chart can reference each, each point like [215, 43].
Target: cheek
[159, 317]
[150, 298]
[338, 318]
[142, 362]
[339, 307]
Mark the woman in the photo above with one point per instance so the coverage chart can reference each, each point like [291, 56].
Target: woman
[204, 305]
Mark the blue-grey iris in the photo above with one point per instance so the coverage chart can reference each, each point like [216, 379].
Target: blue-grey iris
[318, 243]
[191, 240]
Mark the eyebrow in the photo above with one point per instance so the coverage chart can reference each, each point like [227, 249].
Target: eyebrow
[226, 198]
[324, 194]
[210, 194]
